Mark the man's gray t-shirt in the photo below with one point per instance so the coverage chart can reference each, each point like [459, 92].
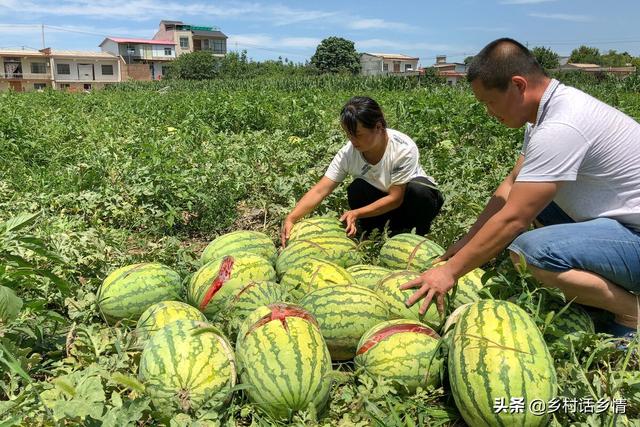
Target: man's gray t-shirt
[591, 147]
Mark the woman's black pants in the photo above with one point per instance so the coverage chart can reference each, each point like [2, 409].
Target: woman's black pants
[421, 204]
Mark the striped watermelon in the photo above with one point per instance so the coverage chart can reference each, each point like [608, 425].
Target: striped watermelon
[128, 291]
[573, 319]
[253, 242]
[161, 314]
[297, 252]
[388, 290]
[316, 226]
[342, 249]
[497, 352]
[312, 274]
[452, 319]
[216, 282]
[403, 351]
[468, 288]
[284, 360]
[185, 365]
[252, 296]
[409, 252]
[368, 275]
[344, 313]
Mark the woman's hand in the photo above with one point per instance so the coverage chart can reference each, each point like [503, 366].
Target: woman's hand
[350, 218]
[287, 225]
[435, 282]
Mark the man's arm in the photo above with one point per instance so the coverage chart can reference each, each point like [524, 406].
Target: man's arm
[525, 201]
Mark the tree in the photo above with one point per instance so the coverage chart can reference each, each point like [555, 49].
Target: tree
[615, 59]
[585, 55]
[547, 58]
[336, 55]
[468, 60]
[198, 65]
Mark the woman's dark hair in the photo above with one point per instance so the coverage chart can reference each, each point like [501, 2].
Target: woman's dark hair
[364, 110]
[500, 60]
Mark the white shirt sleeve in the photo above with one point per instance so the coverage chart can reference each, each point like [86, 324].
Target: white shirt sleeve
[404, 167]
[337, 170]
[554, 152]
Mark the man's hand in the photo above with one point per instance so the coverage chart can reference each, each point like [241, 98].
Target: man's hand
[287, 225]
[436, 282]
[350, 218]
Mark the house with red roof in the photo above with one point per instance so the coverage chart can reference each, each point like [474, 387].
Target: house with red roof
[373, 64]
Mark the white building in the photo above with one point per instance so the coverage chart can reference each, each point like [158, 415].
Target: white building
[451, 71]
[374, 64]
[58, 69]
[145, 59]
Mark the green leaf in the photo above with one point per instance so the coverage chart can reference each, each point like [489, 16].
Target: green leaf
[62, 285]
[39, 249]
[65, 387]
[20, 221]
[128, 414]
[127, 381]
[12, 363]
[18, 260]
[88, 400]
[10, 305]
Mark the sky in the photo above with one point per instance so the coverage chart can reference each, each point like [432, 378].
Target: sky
[293, 29]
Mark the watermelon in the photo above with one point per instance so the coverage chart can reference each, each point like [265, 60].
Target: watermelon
[468, 288]
[283, 360]
[252, 296]
[128, 291]
[402, 351]
[497, 352]
[253, 242]
[452, 319]
[409, 252]
[161, 314]
[344, 313]
[342, 250]
[185, 365]
[312, 274]
[368, 275]
[211, 287]
[572, 320]
[297, 252]
[316, 226]
[388, 290]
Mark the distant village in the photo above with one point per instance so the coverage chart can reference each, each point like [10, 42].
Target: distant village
[123, 59]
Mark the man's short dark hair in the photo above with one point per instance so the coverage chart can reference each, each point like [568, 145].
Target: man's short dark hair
[500, 60]
[364, 110]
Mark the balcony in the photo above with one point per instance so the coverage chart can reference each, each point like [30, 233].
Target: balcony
[24, 76]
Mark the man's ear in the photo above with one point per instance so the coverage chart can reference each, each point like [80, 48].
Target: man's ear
[521, 83]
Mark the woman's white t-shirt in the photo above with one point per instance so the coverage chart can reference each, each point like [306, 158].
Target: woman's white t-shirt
[399, 164]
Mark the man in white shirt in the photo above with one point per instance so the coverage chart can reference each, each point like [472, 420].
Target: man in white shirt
[389, 184]
[578, 175]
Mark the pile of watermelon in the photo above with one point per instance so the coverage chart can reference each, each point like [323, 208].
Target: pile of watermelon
[275, 321]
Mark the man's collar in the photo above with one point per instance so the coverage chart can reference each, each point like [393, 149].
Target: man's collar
[551, 87]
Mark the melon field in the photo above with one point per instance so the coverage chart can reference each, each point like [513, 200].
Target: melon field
[142, 280]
